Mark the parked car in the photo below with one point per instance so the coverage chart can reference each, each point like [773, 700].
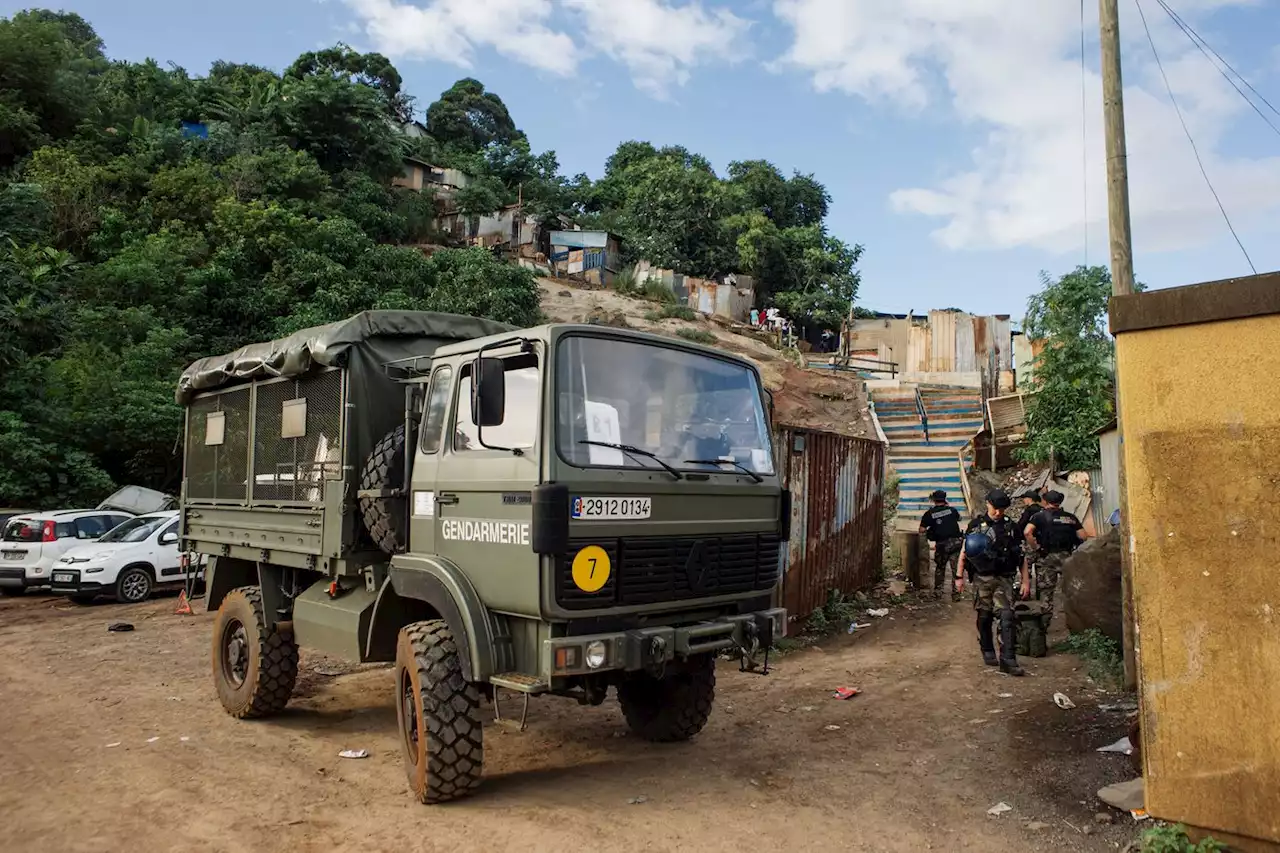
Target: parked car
[30, 544]
[129, 562]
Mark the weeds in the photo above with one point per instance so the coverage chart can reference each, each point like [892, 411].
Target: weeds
[833, 615]
[655, 291]
[1099, 652]
[698, 336]
[1173, 839]
[624, 281]
[666, 312]
[892, 482]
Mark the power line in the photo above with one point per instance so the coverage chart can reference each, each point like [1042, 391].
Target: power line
[1190, 139]
[1199, 41]
[1084, 136]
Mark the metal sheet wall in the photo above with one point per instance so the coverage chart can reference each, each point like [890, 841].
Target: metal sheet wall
[837, 525]
[969, 330]
[942, 328]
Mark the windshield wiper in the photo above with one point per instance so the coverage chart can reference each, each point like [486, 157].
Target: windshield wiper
[743, 468]
[635, 451]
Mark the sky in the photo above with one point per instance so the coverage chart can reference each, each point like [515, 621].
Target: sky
[960, 141]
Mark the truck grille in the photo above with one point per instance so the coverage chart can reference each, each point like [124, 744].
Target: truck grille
[654, 570]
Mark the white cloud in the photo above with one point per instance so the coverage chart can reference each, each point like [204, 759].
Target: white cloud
[660, 42]
[1010, 69]
[452, 30]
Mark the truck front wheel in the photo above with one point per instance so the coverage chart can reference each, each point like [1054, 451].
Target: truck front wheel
[254, 667]
[439, 714]
[674, 707]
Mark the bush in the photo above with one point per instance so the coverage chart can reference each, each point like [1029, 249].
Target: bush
[698, 336]
[1173, 839]
[625, 281]
[655, 291]
[1099, 652]
[666, 312]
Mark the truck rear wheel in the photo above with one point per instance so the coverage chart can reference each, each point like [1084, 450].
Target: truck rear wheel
[254, 667]
[674, 707]
[384, 469]
[439, 714]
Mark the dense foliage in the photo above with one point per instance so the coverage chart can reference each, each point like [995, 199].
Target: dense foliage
[130, 247]
[1073, 377]
[149, 217]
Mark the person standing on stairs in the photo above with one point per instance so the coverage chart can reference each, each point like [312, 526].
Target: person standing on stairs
[942, 526]
[992, 555]
[1053, 534]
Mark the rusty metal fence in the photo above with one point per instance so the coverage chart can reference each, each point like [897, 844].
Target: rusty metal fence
[837, 524]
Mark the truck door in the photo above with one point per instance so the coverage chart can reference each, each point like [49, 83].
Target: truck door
[426, 461]
[484, 487]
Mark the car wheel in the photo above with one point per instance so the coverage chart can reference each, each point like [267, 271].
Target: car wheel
[133, 585]
[254, 666]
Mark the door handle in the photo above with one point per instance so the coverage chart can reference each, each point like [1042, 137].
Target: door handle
[445, 499]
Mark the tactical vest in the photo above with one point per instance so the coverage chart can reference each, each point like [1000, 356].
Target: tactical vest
[1060, 530]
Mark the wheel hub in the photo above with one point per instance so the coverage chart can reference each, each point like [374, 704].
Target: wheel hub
[135, 587]
[235, 653]
[409, 709]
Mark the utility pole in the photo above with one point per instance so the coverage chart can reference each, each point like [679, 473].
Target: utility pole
[1121, 281]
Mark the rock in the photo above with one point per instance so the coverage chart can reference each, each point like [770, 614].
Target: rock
[1126, 796]
[1103, 817]
[1087, 829]
[1091, 587]
[896, 587]
[1037, 826]
[566, 293]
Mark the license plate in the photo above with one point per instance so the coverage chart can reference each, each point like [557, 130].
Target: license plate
[59, 577]
[612, 509]
[14, 555]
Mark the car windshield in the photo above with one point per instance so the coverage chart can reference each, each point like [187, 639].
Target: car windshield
[133, 530]
[673, 403]
[22, 531]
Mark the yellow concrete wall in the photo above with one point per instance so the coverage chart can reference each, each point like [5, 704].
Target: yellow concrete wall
[1200, 409]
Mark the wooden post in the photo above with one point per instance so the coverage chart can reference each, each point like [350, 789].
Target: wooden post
[1121, 279]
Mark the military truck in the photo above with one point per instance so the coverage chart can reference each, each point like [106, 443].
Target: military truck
[556, 510]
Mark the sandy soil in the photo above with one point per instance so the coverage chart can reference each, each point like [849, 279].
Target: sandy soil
[116, 742]
[806, 398]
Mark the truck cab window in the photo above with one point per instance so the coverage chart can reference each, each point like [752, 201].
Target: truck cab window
[436, 409]
[519, 427]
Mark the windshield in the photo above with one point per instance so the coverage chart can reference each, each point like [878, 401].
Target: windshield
[133, 530]
[673, 403]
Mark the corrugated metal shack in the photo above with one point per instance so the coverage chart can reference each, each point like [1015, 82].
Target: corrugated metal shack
[974, 351]
[837, 524]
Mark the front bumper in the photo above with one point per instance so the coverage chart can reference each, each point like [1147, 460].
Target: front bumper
[72, 582]
[648, 648]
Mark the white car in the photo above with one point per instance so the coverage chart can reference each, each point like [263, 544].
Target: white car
[129, 562]
[31, 543]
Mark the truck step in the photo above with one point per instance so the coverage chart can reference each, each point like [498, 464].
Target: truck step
[519, 682]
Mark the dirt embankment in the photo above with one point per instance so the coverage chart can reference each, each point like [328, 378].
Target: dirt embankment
[804, 398]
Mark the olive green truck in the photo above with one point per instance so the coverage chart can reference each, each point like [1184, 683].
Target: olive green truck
[559, 510]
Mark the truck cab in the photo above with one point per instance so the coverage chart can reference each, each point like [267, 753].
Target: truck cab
[557, 510]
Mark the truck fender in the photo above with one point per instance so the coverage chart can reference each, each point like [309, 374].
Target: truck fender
[223, 574]
[441, 585]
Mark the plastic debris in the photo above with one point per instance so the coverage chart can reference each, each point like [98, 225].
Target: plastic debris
[1006, 695]
[1139, 814]
[999, 809]
[111, 745]
[184, 738]
[354, 753]
[880, 613]
[1063, 702]
[637, 801]
[854, 626]
[1123, 746]
[119, 627]
[846, 692]
[153, 739]
[833, 728]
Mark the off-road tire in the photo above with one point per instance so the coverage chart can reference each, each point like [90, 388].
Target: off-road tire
[130, 581]
[674, 707]
[270, 662]
[438, 711]
[384, 469]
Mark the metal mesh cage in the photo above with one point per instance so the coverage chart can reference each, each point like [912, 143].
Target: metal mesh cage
[218, 471]
[293, 470]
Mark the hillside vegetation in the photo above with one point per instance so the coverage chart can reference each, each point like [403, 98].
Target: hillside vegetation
[149, 217]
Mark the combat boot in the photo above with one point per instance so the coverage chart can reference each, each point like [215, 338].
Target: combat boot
[986, 621]
[1008, 654]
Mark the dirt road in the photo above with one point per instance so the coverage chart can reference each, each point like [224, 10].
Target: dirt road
[116, 742]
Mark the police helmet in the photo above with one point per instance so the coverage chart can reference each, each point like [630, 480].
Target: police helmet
[976, 545]
[937, 495]
[998, 498]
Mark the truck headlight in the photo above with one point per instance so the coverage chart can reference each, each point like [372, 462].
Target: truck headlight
[596, 653]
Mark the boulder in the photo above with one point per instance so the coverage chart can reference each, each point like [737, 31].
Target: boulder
[1091, 587]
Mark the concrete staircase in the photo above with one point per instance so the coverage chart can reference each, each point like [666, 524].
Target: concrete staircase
[923, 462]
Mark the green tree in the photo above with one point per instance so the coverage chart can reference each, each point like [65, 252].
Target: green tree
[369, 69]
[469, 119]
[1073, 378]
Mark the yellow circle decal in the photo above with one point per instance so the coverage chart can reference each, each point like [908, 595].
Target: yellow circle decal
[591, 568]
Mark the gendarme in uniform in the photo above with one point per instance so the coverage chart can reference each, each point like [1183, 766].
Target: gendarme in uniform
[1056, 534]
[942, 526]
[993, 557]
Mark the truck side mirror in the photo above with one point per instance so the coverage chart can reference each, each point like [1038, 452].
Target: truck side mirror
[488, 392]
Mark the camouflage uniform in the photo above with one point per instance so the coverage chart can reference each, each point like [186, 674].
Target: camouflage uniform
[946, 554]
[993, 593]
[1048, 573]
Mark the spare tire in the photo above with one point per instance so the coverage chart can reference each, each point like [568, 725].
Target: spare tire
[385, 517]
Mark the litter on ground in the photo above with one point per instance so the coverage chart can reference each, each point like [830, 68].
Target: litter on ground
[845, 692]
[354, 753]
[999, 809]
[1123, 746]
[1063, 702]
